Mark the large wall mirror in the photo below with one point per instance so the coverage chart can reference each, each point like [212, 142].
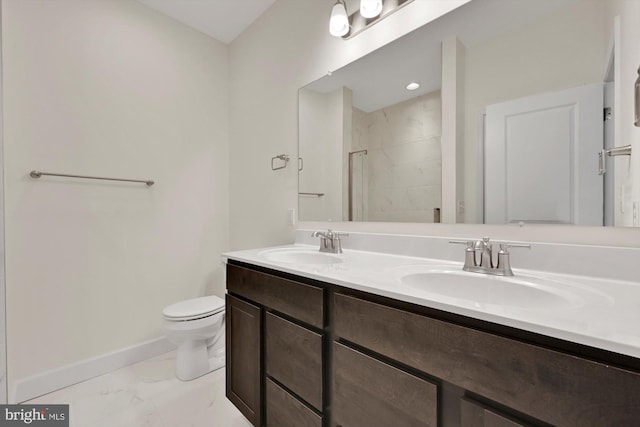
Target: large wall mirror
[532, 91]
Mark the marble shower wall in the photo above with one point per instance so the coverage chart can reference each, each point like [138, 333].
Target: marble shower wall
[404, 159]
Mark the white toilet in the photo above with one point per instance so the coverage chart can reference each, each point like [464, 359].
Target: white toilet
[196, 326]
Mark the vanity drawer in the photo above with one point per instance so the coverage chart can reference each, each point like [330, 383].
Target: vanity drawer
[295, 299]
[473, 414]
[370, 393]
[294, 358]
[284, 410]
[557, 388]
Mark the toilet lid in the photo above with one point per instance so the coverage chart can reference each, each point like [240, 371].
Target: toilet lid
[194, 308]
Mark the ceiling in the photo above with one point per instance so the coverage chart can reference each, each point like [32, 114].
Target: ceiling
[223, 20]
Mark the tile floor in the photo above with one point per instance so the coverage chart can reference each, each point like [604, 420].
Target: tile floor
[148, 394]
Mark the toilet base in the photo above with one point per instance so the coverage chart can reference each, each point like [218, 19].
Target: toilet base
[216, 363]
[193, 361]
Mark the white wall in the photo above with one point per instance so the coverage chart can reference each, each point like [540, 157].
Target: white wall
[108, 88]
[286, 48]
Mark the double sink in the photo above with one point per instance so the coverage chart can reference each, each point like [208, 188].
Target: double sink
[587, 309]
[447, 283]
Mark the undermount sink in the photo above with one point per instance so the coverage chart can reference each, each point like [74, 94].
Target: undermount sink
[514, 291]
[300, 256]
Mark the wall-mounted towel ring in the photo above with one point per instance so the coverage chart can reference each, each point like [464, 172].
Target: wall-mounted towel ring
[283, 157]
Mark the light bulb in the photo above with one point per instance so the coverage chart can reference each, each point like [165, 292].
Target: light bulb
[339, 22]
[370, 8]
[413, 86]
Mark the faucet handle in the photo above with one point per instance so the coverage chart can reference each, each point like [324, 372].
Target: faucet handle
[337, 245]
[327, 233]
[504, 264]
[469, 243]
[504, 247]
[469, 252]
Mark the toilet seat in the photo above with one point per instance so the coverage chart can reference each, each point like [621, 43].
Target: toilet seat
[193, 309]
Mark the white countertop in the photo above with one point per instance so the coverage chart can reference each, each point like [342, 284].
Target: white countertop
[597, 312]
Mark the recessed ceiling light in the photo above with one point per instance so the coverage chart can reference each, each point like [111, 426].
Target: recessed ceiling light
[413, 86]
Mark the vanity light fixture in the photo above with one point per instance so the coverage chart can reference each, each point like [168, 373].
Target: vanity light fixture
[370, 8]
[413, 86]
[370, 12]
[339, 22]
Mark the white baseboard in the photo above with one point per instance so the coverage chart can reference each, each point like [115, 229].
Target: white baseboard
[55, 379]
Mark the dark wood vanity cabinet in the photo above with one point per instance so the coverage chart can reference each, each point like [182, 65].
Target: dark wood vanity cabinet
[290, 342]
[330, 356]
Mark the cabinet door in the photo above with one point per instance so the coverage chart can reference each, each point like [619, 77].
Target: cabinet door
[473, 414]
[243, 358]
[370, 393]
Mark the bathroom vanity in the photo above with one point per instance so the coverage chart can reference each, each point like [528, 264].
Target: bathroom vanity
[308, 352]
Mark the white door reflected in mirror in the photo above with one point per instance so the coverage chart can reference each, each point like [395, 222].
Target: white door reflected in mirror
[541, 158]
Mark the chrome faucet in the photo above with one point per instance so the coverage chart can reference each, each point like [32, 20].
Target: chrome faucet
[329, 241]
[484, 262]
